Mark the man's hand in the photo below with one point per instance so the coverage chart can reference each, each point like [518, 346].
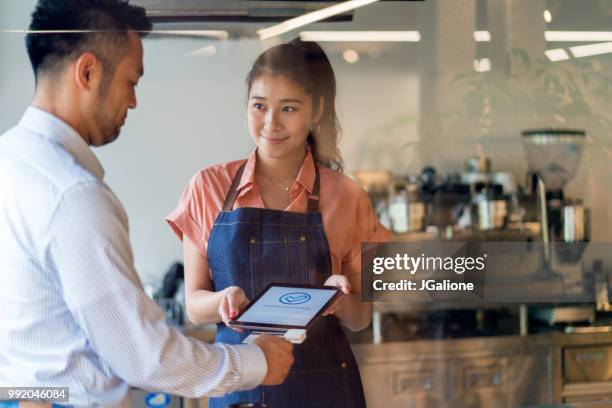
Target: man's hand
[279, 356]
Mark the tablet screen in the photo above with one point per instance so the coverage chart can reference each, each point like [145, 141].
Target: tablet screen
[285, 305]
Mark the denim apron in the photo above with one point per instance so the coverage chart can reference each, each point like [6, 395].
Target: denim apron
[252, 247]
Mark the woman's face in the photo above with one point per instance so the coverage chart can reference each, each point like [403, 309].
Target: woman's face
[280, 116]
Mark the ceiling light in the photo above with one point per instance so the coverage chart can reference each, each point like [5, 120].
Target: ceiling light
[482, 36]
[558, 54]
[207, 51]
[482, 65]
[210, 34]
[591, 49]
[361, 36]
[311, 17]
[565, 36]
[547, 16]
[350, 56]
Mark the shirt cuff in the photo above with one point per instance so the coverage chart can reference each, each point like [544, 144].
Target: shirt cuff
[254, 366]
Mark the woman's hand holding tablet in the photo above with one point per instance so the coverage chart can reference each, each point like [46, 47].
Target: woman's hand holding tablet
[341, 282]
[233, 302]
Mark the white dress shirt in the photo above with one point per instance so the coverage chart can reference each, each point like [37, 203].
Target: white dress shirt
[73, 312]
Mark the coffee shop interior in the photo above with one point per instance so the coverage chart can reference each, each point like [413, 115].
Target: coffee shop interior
[464, 120]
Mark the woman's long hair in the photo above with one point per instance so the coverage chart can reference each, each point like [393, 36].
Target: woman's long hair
[305, 63]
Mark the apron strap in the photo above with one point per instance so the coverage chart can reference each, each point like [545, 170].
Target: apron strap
[233, 191]
[313, 199]
[232, 194]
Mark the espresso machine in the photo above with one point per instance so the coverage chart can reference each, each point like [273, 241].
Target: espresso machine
[481, 204]
[476, 204]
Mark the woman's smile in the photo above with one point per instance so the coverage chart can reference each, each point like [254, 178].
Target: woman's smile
[274, 140]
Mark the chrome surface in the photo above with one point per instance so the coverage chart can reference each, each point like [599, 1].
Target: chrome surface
[553, 154]
[501, 372]
[494, 372]
[489, 215]
[406, 216]
[588, 329]
[541, 189]
[575, 221]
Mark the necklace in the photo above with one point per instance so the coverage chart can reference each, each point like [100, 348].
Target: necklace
[277, 182]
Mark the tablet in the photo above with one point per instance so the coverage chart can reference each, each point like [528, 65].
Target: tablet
[281, 307]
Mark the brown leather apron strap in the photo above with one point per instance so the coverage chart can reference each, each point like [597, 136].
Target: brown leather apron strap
[232, 194]
[230, 198]
[313, 199]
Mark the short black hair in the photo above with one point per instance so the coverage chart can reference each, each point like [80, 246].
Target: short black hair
[104, 24]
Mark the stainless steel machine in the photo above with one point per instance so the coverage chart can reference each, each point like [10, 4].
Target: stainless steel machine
[481, 200]
[553, 157]
[552, 370]
[502, 355]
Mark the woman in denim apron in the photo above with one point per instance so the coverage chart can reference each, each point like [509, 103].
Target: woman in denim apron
[292, 119]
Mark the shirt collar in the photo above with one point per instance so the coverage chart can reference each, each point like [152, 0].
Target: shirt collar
[55, 129]
[305, 177]
[248, 175]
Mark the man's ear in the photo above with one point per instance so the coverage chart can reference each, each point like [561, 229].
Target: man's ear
[87, 71]
[319, 110]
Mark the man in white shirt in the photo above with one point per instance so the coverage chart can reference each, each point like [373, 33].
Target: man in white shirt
[74, 313]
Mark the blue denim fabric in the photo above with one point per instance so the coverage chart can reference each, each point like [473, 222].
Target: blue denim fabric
[252, 247]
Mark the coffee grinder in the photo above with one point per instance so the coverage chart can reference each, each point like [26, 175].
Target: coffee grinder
[553, 156]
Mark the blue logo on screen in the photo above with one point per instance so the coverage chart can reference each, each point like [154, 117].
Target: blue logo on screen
[157, 400]
[294, 298]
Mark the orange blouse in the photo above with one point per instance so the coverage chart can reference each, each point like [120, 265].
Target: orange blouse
[348, 217]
